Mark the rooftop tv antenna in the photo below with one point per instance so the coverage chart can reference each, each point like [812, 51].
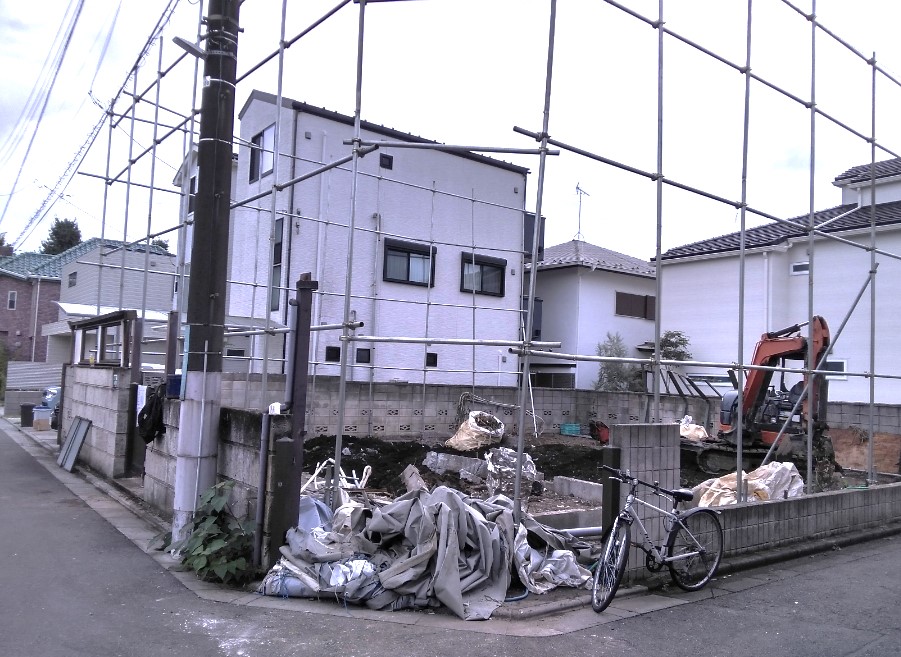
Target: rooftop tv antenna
[581, 192]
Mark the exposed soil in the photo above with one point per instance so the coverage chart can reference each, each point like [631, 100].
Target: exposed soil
[554, 455]
[570, 456]
[851, 448]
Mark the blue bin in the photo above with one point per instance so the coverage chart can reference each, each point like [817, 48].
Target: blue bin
[173, 386]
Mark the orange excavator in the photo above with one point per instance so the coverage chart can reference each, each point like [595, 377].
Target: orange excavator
[768, 410]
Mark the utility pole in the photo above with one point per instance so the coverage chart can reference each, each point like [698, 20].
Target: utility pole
[204, 331]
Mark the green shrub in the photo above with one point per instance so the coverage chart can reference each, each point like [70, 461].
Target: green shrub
[219, 546]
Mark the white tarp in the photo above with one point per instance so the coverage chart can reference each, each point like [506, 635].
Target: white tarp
[773, 481]
[421, 550]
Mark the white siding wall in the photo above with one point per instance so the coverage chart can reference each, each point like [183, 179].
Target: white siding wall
[700, 297]
[160, 285]
[317, 242]
[579, 310]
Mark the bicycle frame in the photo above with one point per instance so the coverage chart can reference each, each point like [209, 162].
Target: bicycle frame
[669, 521]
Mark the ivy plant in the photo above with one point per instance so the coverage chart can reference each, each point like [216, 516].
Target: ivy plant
[219, 545]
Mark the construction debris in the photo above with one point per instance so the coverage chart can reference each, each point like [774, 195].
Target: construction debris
[421, 550]
[479, 430]
[773, 481]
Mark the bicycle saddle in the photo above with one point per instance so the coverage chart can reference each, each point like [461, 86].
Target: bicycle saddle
[683, 495]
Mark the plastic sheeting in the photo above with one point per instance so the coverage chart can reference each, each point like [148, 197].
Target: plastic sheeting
[424, 550]
[773, 481]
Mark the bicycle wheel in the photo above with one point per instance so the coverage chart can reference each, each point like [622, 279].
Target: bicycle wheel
[608, 572]
[699, 534]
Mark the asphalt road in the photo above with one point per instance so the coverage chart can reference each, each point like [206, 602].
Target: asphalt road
[71, 584]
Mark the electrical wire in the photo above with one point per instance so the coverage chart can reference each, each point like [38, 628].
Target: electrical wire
[57, 66]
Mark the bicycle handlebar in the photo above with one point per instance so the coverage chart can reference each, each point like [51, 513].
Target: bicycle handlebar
[625, 477]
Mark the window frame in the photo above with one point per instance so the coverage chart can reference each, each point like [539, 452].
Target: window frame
[12, 300]
[409, 248]
[363, 356]
[483, 261]
[840, 375]
[73, 278]
[624, 302]
[276, 294]
[794, 269]
[431, 359]
[332, 354]
[262, 153]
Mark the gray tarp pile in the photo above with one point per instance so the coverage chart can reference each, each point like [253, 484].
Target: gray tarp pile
[421, 550]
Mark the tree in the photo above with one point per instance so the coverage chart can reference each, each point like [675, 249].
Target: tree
[64, 234]
[160, 243]
[674, 346]
[613, 376]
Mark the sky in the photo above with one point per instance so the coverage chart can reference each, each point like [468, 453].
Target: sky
[467, 72]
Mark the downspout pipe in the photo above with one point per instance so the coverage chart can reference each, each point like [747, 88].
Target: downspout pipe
[261, 489]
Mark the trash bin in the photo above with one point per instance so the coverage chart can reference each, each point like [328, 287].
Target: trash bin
[27, 414]
[41, 421]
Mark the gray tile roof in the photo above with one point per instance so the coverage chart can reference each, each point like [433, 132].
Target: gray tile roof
[23, 265]
[51, 266]
[777, 233]
[861, 173]
[582, 254]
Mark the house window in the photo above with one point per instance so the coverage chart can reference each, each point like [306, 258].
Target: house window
[483, 274]
[262, 149]
[837, 366]
[364, 356]
[332, 354]
[528, 234]
[636, 305]
[800, 268]
[11, 301]
[73, 278]
[192, 193]
[234, 353]
[409, 262]
[553, 380]
[274, 300]
[386, 161]
[431, 359]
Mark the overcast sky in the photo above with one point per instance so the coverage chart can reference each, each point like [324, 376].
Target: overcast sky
[466, 72]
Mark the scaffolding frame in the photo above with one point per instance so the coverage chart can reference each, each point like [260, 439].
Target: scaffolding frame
[525, 347]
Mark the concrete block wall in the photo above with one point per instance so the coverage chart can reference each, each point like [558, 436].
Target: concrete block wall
[99, 394]
[651, 453]
[753, 527]
[886, 417]
[241, 390]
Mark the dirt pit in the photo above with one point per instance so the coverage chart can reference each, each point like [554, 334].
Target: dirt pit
[852, 446]
[554, 455]
[568, 456]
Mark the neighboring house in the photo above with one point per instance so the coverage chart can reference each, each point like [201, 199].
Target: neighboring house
[700, 285]
[586, 292]
[438, 250]
[29, 284]
[238, 348]
[105, 271]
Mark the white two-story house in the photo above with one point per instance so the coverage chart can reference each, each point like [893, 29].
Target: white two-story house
[700, 285]
[437, 247]
[586, 292]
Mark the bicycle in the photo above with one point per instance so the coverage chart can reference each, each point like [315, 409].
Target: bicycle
[692, 549]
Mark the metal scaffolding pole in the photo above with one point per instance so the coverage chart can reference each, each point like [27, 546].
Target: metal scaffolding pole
[811, 356]
[525, 379]
[739, 452]
[348, 280]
